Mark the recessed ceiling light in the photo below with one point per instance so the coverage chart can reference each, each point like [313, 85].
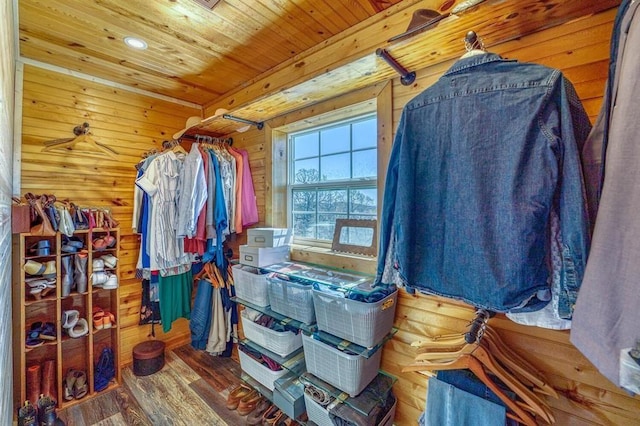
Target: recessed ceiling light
[135, 43]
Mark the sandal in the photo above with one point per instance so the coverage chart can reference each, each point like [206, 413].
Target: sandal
[80, 385]
[68, 384]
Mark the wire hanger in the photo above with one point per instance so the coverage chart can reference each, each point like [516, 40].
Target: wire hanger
[81, 144]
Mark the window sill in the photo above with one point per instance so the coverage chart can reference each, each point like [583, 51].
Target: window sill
[327, 257]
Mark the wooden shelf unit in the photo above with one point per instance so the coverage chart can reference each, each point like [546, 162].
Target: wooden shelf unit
[69, 353]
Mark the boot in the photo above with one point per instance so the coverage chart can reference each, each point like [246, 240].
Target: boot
[49, 387]
[67, 274]
[27, 415]
[80, 272]
[47, 412]
[33, 383]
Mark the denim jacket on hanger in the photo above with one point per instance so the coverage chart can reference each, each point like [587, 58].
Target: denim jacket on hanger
[480, 161]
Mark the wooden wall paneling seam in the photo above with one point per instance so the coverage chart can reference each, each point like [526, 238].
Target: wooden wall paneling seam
[45, 75]
[106, 70]
[17, 128]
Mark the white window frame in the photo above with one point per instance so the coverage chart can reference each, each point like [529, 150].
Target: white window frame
[345, 184]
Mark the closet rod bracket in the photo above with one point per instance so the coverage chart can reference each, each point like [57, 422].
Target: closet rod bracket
[406, 77]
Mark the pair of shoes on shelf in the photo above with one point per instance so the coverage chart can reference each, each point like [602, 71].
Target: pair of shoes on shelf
[75, 385]
[46, 269]
[71, 244]
[108, 260]
[105, 242]
[273, 416]
[103, 279]
[73, 324]
[103, 319]
[41, 248]
[105, 370]
[40, 287]
[236, 394]
[255, 416]
[39, 332]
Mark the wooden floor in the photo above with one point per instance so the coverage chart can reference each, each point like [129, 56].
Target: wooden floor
[191, 389]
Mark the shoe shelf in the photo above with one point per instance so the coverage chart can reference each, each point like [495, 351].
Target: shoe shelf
[282, 320]
[30, 314]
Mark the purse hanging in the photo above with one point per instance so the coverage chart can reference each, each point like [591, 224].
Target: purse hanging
[44, 228]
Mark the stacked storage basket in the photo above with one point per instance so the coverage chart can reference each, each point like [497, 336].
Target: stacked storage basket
[266, 246]
[354, 318]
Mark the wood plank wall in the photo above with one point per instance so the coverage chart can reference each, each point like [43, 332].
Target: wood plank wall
[129, 123]
[580, 49]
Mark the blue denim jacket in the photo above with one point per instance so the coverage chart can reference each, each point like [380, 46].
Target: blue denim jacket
[480, 161]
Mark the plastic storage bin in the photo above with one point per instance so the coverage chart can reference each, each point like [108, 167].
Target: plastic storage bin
[279, 342]
[316, 412]
[288, 395]
[259, 372]
[269, 237]
[349, 373]
[362, 323]
[250, 285]
[320, 415]
[291, 299]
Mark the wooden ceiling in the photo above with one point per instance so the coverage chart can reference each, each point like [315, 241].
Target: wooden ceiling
[194, 54]
[259, 59]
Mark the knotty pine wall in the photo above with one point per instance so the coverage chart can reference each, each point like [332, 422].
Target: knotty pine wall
[129, 123]
[580, 50]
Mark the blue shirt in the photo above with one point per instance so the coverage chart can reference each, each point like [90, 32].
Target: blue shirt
[479, 162]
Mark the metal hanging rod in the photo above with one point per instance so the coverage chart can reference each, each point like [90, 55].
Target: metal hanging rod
[212, 139]
[406, 77]
[258, 124]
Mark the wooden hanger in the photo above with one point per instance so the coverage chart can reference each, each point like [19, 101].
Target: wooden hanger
[517, 365]
[81, 144]
[471, 363]
[486, 358]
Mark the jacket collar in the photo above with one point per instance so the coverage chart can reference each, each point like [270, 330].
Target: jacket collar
[476, 60]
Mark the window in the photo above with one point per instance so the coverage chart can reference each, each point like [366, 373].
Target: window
[332, 174]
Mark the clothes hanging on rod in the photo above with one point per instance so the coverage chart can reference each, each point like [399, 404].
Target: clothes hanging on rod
[179, 196]
[607, 317]
[467, 206]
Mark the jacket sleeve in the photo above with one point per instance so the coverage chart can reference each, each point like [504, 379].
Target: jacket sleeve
[385, 253]
[571, 196]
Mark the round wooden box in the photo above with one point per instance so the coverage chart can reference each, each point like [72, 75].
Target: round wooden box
[148, 357]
